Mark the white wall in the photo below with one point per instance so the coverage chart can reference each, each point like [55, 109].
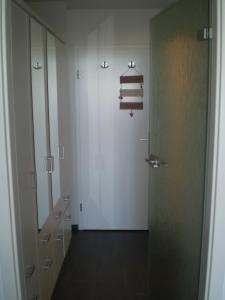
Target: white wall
[117, 36]
[122, 27]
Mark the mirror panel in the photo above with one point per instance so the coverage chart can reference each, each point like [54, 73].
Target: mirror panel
[53, 115]
[40, 120]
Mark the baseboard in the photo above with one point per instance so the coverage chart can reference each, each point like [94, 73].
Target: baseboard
[75, 227]
[117, 230]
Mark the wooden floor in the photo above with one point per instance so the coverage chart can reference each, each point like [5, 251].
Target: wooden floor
[105, 266]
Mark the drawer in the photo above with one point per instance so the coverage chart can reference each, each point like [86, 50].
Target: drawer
[57, 250]
[32, 286]
[45, 263]
[67, 229]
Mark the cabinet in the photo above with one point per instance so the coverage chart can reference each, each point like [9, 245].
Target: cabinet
[67, 229]
[52, 240]
[44, 211]
[24, 149]
[50, 156]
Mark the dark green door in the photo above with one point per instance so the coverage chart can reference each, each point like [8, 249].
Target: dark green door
[178, 128]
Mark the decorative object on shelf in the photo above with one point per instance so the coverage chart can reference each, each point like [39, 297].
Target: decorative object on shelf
[136, 92]
[104, 65]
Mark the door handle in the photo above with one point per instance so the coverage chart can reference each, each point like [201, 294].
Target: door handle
[155, 162]
[47, 264]
[50, 164]
[29, 271]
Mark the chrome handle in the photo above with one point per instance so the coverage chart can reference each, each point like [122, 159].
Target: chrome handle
[143, 140]
[155, 162]
[50, 164]
[47, 265]
[66, 198]
[58, 215]
[35, 297]
[68, 218]
[29, 271]
[45, 238]
[59, 237]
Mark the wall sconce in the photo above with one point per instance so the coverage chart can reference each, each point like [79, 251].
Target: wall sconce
[104, 65]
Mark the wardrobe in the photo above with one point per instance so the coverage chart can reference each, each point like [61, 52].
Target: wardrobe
[42, 143]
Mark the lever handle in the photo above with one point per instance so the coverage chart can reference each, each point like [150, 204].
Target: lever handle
[155, 162]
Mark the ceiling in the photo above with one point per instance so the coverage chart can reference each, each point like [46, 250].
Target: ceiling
[113, 4]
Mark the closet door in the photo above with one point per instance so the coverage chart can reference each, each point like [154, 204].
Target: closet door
[24, 147]
[43, 159]
[53, 116]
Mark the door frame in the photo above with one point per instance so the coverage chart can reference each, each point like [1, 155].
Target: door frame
[212, 284]
[11, 266]
[213, 250]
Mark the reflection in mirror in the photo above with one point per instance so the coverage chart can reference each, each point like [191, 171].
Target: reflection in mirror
[53, 115]
[40, 121]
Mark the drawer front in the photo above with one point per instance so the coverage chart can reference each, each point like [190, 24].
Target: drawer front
[32, 285]
[67, 229]
[45, 264]
[57, 248]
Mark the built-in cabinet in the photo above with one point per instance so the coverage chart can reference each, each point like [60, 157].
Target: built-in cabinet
[42, 156]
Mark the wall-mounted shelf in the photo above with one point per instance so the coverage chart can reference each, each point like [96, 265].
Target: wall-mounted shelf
[131, 93]
[131, 105]
[132, 79]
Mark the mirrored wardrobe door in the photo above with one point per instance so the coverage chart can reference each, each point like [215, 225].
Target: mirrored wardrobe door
[43, 161]
[53, 115]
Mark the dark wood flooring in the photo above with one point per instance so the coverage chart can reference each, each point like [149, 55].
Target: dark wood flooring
[105, 265]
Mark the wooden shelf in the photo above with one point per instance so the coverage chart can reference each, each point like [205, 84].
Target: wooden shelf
[131, 93]
[131, 105]
[132, 79]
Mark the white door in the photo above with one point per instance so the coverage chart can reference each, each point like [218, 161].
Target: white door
[113, 177]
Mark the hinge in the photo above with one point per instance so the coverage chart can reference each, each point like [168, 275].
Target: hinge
[81, 207]
[78, 74]
[205, 34]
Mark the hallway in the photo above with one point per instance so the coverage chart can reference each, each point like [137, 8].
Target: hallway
[105, 265]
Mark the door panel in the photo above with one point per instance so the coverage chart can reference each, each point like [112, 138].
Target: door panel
[178, 120]
[53, 115]
[40, 119]
[24, 145]
[113, 175]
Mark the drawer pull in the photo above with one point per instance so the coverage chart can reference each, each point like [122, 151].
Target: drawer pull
[29, 271]
[68, 218]
[45, 238]
[34, 298]
[48, 264]
[59, 237]
[58, 215]
[66, 198]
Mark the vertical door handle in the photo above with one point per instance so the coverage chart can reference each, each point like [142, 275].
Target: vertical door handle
[50, 164]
